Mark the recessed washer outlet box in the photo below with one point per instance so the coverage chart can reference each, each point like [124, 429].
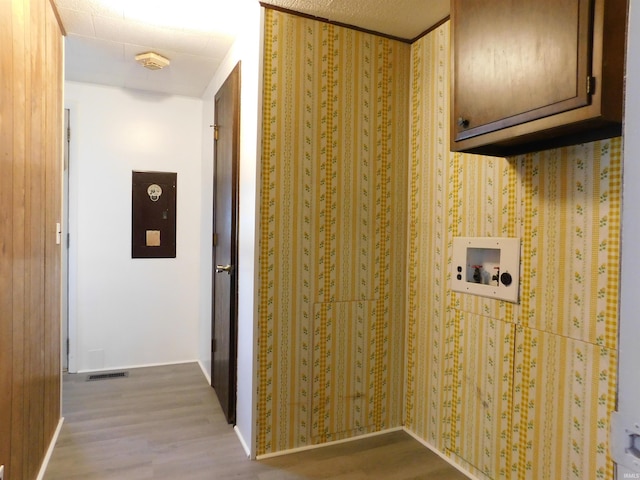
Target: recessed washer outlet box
[486, 266]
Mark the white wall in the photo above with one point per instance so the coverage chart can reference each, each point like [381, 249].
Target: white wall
[247, 49]
[128, 312]
[629, 336]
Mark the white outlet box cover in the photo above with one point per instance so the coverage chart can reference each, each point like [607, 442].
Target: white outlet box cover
[486, 266]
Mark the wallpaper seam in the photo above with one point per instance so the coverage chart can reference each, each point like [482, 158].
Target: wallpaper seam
[264, 238]
[457, 318]
[613, 271]
[328, 219]
[524, 322]
[510, 312]
[383, 221]
[413, 220]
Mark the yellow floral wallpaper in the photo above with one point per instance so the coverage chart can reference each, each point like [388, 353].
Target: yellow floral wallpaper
[511, 391]
[358, 329]
[333, 234]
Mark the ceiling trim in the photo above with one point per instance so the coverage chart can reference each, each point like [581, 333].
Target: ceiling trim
[338, 24]
[431, 29]
[58, 18]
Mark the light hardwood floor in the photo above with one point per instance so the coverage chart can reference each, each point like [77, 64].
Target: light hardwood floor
[166, 423]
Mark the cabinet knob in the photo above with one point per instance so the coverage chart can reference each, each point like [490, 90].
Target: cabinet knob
[463, 122]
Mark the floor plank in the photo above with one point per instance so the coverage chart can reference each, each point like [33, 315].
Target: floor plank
[165, 422]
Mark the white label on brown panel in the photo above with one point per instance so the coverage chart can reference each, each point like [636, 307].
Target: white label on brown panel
[153, 238]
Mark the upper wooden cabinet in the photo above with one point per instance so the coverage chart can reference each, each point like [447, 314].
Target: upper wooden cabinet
[535, 74]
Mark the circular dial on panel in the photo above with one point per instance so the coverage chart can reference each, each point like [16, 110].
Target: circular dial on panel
[154, 191]
[506, 279]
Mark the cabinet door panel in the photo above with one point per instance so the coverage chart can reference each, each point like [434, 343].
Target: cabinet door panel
[482, 393]
[516, 61]
[342, 383]
[563, 395]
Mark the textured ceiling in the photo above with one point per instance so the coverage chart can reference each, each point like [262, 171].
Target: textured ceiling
[405, 19]
[103, 36]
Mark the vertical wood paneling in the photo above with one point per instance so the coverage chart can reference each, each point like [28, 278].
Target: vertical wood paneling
[6, 229]
[53, 194]
[19, 255]
[35, 245]
[30, 207]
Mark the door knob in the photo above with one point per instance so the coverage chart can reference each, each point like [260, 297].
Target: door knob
[223, 268]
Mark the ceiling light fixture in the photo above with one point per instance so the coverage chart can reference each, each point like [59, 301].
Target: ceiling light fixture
[152, 60]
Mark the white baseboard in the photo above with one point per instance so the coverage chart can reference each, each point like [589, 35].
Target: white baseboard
[47, 457]
[204, 372]
[321, 445]
[130, 367]
[246, 448]
[441, 455]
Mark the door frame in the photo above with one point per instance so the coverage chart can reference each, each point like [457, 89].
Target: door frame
[69, 248]
[65, 245]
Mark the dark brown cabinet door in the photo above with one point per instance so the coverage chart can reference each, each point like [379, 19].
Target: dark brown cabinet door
[535, 74]
[517, 61]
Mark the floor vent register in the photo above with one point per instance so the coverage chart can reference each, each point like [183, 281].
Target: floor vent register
[106, 376]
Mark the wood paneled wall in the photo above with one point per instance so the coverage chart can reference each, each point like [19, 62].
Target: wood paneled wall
[30, 206]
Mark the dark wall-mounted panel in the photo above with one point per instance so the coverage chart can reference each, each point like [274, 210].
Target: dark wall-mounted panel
[153, 215]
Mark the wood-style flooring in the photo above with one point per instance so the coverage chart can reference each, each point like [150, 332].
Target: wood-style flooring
[166, 423]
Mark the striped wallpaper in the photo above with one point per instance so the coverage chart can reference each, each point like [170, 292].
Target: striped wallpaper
[511, 391]
[358, 330]
[333, 235]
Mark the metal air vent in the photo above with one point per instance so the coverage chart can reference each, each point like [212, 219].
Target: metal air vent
[105, 376]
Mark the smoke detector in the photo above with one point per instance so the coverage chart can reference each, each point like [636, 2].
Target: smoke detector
[152, 61]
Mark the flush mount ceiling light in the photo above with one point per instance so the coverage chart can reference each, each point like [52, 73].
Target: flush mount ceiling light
[152, 61]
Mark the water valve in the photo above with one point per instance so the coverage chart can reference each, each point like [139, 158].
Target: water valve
[496, 276]
[477, 274]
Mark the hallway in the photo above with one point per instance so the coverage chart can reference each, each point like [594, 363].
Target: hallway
[165, 422]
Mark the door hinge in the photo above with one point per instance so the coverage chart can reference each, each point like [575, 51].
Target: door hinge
[68, 347]
[591, 85]
[68, 134]
[215, 239]
[215, 131]
[213, 345]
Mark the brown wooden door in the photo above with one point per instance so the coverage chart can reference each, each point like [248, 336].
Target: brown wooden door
[517, 60]
[225, 251]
